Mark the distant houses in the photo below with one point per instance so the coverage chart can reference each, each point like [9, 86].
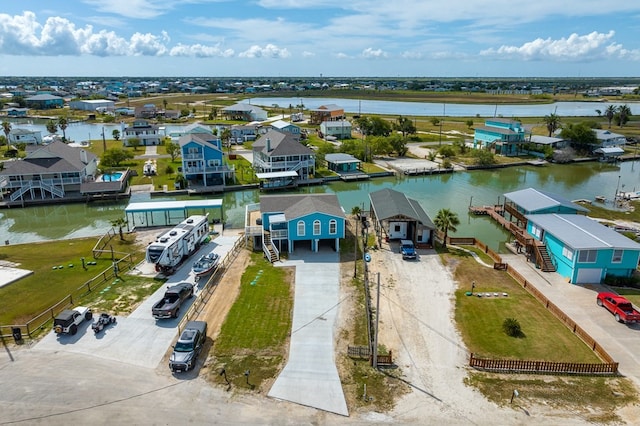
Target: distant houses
[30, 137]
[44, 101]
[245, 112]
[331, 112]
[502, 136]
[144, 131]
[101, 105]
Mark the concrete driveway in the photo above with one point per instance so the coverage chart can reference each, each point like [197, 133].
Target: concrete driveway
[138, 339]
[310, 377]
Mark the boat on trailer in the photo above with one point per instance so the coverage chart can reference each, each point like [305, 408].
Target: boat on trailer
[205, 265]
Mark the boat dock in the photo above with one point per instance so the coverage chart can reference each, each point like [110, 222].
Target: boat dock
[496, 212]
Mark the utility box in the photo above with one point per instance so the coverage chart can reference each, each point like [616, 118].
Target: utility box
[17, 334]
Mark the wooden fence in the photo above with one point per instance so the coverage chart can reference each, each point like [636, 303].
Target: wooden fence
[40, 321]
[365, 353]
[550, 306]
[542, 367]
[99, 248]
[211, 285]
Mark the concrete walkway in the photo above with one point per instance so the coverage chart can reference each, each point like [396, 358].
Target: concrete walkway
[310, 377]
[620, 341]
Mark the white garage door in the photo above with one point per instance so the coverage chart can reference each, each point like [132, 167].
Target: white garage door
[589, 276]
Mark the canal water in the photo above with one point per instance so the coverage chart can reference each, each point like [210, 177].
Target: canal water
[454, 191]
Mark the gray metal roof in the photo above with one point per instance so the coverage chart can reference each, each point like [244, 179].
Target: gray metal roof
[298, 205]
[153, 206]
[533, 200]
[389, 203]
[339, 158]
[581, 233]
[610, 150]
[544, 140]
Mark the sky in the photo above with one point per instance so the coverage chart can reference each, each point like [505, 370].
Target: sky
[320, 38]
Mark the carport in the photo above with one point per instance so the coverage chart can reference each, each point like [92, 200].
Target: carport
[166, 213]
[397, 217]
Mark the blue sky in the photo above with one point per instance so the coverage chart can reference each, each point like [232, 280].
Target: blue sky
[310, 38]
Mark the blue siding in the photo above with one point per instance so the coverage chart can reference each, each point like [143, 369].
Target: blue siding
[308, 225]
[604, 259]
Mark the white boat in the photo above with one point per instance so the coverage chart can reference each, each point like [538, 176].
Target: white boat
[206, 264]
[149, 168]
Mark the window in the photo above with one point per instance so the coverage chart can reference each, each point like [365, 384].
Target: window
[316, 227]
[587, 256]
[617, 256]
[213, 163]
[333, 226]
[535, 230]
[396, 228]
[301, 228]
[567, 252]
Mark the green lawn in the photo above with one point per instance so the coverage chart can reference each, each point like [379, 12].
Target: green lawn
[255, 333]
[480, 318]
[30, 296]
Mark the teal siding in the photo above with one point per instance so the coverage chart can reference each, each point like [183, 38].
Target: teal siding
[308, 226]
[604, 258]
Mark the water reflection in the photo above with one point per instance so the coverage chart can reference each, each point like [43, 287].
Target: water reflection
[454, 191]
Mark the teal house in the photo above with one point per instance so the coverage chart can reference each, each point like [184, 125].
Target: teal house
[501, 136]
[583, 250]
[310, 221]
[534, 201]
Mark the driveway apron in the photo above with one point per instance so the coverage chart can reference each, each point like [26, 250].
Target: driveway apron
[310, 377]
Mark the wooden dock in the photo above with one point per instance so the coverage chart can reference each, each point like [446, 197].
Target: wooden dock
[496, 212]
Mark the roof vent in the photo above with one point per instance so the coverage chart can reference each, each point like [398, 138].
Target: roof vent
[173, 233]
[164, 240]
[189, 220]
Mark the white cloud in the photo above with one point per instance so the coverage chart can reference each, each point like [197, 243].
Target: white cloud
[269, 51]
[341, 55]
[23, 35]
[307, 54]
[573, 48]
[200, 51]
[373, 54]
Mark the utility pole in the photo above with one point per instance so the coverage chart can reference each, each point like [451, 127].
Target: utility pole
[375, 335]
[355, 251]
[104, 141]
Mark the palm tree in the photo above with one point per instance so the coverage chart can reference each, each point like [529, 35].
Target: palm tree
[610, 112]
[622, 115]
[62, 123]
[226, 138]
[52, 127]
[119, 223]
[553, 123]
[446, 221]
[6, 128]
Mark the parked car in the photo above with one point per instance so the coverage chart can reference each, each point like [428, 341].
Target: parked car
[169, 305]
[407, 249]
[188, 347]
[621, 308]
[67, 321]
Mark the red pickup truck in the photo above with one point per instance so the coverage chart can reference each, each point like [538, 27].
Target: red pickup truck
[620, 307]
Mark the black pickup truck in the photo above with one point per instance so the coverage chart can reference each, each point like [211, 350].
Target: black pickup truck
[169, 305]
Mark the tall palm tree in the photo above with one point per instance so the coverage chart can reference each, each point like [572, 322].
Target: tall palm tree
[622, 114]
[62, 123]
[446, 221]
[226, 138]
[610, 112]
[6, 128]
[52, 127]
[553, 123]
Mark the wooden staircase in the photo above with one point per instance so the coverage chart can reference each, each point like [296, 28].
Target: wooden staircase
[544, 259]
[266, 241]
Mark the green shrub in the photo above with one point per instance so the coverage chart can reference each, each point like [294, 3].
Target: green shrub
[511, 327]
